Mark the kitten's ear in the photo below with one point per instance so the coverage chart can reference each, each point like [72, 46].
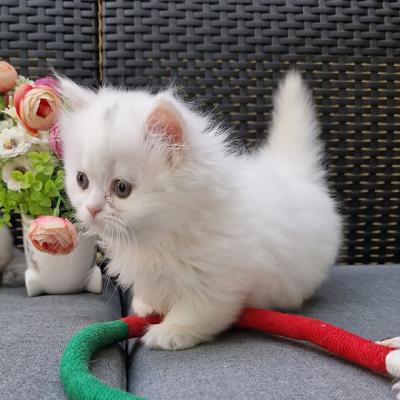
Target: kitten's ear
[165, 120]
[75, 96]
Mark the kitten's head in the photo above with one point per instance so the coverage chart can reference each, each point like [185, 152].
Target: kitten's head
[126, 156]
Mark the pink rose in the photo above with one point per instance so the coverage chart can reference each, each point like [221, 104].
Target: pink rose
[36, 107]
[53, 235]
[55, 141]
[8, 77]
[48, 81]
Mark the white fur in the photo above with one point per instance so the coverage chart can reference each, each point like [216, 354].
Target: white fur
[392, 342]
[201, 238]
[392, 360]
[393, 363]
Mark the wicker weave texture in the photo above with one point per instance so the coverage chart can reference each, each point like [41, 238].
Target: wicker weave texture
[38, 34]
[229, 56]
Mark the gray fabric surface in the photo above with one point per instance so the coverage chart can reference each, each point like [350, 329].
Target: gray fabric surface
[33, 332]
[251, 365]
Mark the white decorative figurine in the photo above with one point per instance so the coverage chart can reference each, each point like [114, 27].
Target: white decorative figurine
[59, 263]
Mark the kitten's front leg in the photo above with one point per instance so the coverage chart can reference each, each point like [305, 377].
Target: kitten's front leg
[140, 307]
[188, 324]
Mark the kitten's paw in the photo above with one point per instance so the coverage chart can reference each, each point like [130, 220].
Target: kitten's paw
[140, 308]
[392, 342]
[169, 337]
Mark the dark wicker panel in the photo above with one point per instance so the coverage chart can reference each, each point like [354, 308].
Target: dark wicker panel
[230, 54]
[38, 34]
[16, 230]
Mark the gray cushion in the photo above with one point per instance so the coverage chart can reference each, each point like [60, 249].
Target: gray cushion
[251, 365]
[33, 332]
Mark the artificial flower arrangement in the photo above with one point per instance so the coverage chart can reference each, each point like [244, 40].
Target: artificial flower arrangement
[32, 185]
[32, 177]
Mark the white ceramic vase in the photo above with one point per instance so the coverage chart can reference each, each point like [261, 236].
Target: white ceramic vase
[72, 273]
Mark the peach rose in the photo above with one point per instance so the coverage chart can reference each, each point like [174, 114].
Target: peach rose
[36, 107]
[8, 77]
[53, 235]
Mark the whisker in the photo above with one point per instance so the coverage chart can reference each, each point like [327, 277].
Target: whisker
[127, 230]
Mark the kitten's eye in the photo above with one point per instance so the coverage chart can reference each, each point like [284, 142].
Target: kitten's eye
[122, 188]
[82, 180]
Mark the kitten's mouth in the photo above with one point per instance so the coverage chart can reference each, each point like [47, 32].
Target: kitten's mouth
[101, 229]
[95, 227]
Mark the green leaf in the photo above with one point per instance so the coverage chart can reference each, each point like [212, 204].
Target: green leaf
[37, 186]
[25, 185]
[17, 175]
[48, 170]
[35, 209]
[45, 201]
[47, 211]
[41, 177]
[34, 156]
[2, 103]
[28, 177]
[13, 196]
[36, 196]
[51, 189]
[49, 185]
[45, 157]
[38, 167]
[59, 183]
[54, 193]
[42, 186]
[7, 218]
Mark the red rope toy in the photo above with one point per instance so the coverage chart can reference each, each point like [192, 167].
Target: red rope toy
[80, 384]
[377, 357]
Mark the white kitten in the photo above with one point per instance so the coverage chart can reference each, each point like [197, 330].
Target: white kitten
[199, 231]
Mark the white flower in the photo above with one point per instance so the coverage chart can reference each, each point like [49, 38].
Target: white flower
[6, 123]
[14, 141]
[11, 112]
[18, 164]
[41, 141]
[22, 79]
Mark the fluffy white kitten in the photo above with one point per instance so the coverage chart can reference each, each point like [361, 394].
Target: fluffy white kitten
[198, 231]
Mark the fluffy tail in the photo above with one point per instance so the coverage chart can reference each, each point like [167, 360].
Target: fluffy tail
[294, 131]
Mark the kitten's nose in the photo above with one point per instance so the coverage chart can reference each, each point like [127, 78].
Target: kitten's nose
[93, 211]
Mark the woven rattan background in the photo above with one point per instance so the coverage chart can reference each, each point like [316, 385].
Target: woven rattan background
[38, 34]
[230, 54]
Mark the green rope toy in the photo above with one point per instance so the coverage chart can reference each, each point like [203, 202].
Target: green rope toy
[80, 384]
